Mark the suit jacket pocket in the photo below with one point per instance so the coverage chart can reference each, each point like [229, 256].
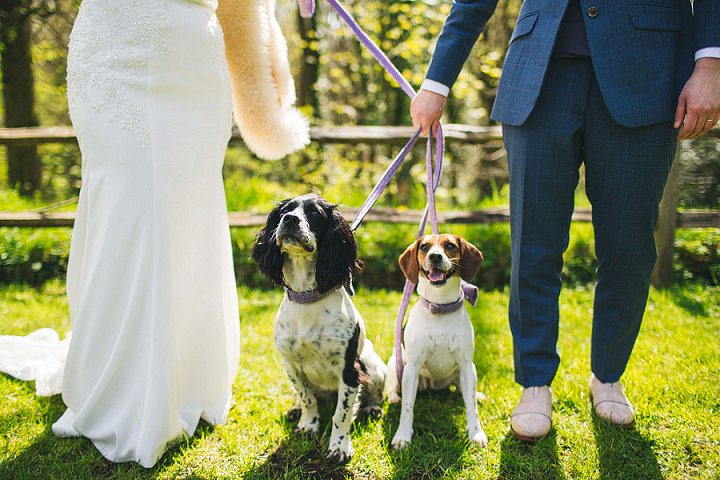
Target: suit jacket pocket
[654, 16]
[524, 25]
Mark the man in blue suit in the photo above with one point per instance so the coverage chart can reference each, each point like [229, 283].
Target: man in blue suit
[611, 84]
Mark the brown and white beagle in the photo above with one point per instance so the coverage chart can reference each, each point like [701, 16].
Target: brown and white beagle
[438, 338]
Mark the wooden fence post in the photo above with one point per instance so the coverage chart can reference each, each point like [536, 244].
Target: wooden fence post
[662, 275]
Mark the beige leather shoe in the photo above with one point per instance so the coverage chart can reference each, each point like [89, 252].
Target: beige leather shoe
[532, 418]
[610, 403]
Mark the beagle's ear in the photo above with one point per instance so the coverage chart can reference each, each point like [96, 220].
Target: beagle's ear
[470, 259]
[408, 262]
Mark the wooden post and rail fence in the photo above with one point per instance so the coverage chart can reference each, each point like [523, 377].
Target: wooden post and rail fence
[670, 217]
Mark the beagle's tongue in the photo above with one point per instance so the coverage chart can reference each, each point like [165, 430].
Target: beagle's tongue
[436, 275]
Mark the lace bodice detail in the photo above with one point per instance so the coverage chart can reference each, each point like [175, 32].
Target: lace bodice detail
[108, 48]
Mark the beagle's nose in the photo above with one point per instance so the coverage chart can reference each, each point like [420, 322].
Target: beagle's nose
[435, 257]
[291, 219]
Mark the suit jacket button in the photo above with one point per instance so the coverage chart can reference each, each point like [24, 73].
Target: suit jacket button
[592, 12]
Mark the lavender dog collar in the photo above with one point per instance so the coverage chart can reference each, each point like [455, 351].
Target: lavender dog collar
[306, 298]
[469, 293]
[439, 308]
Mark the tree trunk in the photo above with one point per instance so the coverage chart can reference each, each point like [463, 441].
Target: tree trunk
[310, 65]
[24, 165]
[662, 275]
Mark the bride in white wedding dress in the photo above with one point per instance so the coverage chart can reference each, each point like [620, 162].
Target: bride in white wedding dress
[150, 284]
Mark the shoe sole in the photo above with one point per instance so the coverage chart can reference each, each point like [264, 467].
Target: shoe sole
[526, 438]
[627, 426]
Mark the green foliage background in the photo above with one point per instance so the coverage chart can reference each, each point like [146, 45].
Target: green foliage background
[348, 87]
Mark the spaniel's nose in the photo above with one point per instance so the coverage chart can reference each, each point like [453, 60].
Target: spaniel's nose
[291, 219]
[435, 257]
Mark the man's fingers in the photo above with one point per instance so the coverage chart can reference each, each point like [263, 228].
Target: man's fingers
[700, 99]
[425, 124]
[703, 119]
[414, 116]
[680, 111]
[428, 122]
[688, 126]
[426, 110]
[709, 123]
[436, 125]
[704, 126]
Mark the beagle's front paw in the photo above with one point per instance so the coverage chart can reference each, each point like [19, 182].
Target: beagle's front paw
[401, 439]
[478, 437]
[393, 397]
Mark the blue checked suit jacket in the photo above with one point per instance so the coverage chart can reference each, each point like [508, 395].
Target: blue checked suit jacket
[642, 52]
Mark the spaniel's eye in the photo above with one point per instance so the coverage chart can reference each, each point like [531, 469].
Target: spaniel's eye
[314, 213]
[424, 247]
[450, 247]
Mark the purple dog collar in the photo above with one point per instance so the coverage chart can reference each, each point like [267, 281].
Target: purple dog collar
[306, 298]
[469, 293]
[440, 308]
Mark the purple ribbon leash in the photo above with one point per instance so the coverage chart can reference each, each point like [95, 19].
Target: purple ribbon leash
[433, 180]
[307, 8]
[383, 182]
[374, 49]
[433, 176]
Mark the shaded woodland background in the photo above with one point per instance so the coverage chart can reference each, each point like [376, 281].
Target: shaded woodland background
[337, 83]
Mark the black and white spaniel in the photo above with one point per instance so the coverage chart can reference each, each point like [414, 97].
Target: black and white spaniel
[308, 248]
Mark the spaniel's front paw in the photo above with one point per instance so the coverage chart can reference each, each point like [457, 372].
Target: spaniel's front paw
[309, 427]
[373, 412]
[294, 414]
[341, 451]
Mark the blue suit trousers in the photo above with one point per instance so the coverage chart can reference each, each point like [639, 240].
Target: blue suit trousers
[625, 173]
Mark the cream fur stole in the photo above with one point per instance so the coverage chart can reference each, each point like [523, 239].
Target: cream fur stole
[262, 85]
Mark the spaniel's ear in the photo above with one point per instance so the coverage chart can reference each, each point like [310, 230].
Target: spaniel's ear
[337, 260]
[470, 259]
[408, 262]
[266, 252]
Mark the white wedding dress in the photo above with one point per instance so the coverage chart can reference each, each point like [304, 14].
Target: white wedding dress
[150, 284]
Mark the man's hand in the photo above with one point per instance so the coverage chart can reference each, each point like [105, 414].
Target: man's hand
[426, 109]
[698, 107]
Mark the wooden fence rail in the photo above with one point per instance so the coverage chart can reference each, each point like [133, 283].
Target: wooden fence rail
[454, 133]
[466, 134]
[685, 219]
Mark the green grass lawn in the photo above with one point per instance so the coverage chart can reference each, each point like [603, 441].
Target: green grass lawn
[672, 379]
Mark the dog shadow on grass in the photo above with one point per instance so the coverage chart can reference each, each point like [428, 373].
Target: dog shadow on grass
[436, 449]
[439, 444]
[71, 458]
[624, 453]
[302, 456]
